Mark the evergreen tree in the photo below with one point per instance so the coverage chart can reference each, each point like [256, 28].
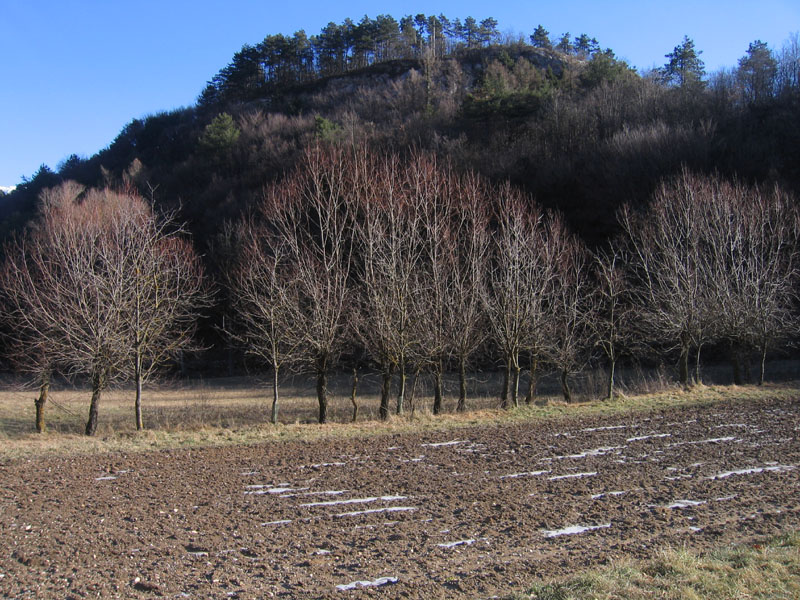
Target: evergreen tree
[757, 72]
[541, 38]
[684, 68]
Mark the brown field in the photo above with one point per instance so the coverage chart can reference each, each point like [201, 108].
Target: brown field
[212, 503]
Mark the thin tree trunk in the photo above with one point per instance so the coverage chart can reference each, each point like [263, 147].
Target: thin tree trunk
[413, 393]
[506, 384]
[353, 393]
[515, 383]
[565, 386]
[611, 368]
[44, 390]
[322, 392]
[138, 401]
[98, 384]
[273, 418]
[534, 366]
[386, 388]
[683, 367]
[437, 389]
[697, 366]
[763, 369]
[462, 385]
[401, 392]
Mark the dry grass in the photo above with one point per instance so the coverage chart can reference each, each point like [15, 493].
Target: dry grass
[768, 570]
[236, 411]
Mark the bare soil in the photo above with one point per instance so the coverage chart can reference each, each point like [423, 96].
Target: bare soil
[475, 513]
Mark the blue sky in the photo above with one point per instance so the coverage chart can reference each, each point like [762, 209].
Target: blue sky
[74, 72]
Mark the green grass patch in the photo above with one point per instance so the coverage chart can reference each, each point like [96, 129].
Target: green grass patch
[769, 570]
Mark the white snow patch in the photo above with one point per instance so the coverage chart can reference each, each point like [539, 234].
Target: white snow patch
[283, 522]
[356, 513]
[245, 473]
[460, 543]
[604, 494]
[325, 493]
[355, 501]
[377, 582]
[685, 503]
[418, 459]
[708, 441]
[647, 437]
[260, 490]
[573, 530]
[586, 453]
[750, 471]
[330, 464]
[439, 444]
[527, 474]
[572, 476]
[608, 428]
[105, 478]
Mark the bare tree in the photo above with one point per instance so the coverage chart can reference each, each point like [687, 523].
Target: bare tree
[752, 239]
[519, 277]
[265, 300]
[572, 304]
[390, 254]
[311, 214]
[613, 318]
[671, 271]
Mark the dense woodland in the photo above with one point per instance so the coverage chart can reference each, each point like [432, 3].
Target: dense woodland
[421, 196]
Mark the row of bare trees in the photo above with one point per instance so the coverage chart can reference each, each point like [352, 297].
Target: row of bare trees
[422, 268]
[410, 267]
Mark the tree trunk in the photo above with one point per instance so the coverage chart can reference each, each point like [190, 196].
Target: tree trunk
[138, 401]
[353, 394]
[515, 384]
[322, 392]
[44, 390]
[98, 385]
[531, 393]
[763, 369]
[413, 393]
[437, 389]
[273, 418]
[683, 367]
[697, 379]
[565, 386]
[506, 384]
[386, 390]
[611, 368]
[462, 385]
[401, 392]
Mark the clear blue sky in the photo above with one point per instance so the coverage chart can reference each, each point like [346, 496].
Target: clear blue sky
[74, 72]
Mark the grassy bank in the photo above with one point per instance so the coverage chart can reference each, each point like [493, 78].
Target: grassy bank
[769, 571]
[238, 414]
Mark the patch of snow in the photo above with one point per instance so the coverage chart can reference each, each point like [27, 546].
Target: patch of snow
[325, 493]
[750, 471]
[245, 473]
[573, 530]
[105, 478]
[604, 494]
[572, 476]
[377, 510]
[330, 464]
[685, 503]
[274, 490]
[439, 444]
[418, 459]
[283, 522]
[528, 474]
[355, 501]
[586, 453]
[460, 543]
[377, 582]
[708, 441]
[647, 437]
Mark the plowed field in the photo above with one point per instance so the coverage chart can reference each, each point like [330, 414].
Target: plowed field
[475, 513]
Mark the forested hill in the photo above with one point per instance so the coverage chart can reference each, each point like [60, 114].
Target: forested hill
[561, 116]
